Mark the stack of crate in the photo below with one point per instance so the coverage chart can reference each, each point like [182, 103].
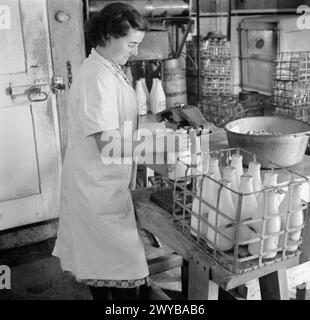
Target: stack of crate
[217, 103]
[215, 68]
[222, 109]
[291, 90]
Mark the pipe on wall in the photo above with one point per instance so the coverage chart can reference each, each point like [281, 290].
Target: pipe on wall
[150, 8]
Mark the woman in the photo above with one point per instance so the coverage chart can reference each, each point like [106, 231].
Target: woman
[97, 239]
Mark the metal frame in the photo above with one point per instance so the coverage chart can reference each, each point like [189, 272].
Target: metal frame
[232, 261]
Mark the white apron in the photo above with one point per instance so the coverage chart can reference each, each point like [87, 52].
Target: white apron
[97, 235]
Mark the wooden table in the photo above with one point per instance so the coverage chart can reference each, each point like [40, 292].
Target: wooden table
[200, 268]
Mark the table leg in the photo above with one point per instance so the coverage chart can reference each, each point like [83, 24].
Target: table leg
[184, 279]
[274, 286]
[198, 278]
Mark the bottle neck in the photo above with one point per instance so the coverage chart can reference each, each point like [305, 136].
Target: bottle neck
[229, 173]
[271, 205]
[246, 185]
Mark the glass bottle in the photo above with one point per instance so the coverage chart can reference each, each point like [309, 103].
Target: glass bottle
[229, 173]
[227, 207]
[207, 194]
[153, 96]
[215, 219]
[141, 98]
[214, 168]
[249, 205]
[295, 219]
[236, 162]
[147, 94]
[271, 179]
[160, 104]
[272, 225]
[254, 171]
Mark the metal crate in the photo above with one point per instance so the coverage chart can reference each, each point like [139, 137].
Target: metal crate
[291, 89]
[221, 109]
[238, 260]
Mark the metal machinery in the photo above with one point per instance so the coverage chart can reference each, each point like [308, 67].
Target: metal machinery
[166, 18]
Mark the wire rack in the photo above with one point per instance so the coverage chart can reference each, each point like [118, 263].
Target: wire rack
[291, 86]
[221, 109]
[215, 66]
[238, 259]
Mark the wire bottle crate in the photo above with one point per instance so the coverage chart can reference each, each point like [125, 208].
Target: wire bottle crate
[237, 260]
[221, 109]
[215, 67]
[291, 85]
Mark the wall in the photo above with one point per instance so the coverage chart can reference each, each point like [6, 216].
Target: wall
[290, 32]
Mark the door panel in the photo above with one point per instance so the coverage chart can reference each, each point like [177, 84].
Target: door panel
[29, 138]
[18, 166]
[11, 35]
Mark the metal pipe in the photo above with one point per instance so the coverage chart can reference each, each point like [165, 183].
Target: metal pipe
[150, 8]
[198, 50]
[229, 20]
[181, 45]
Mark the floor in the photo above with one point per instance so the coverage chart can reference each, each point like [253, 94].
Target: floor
[39, 276]
[46, 281]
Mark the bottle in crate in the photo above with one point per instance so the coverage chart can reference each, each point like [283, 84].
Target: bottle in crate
[229, 173]
[214, 168]
[208, 190]
[218, 221]
[254, 171]
[271, 179]
[249, 206]
[295, 218]
[236, 162]
[272, 225]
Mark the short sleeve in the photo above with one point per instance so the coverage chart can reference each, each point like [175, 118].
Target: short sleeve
[98, 108]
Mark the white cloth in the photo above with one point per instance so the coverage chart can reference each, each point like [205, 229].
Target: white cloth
[97, 235]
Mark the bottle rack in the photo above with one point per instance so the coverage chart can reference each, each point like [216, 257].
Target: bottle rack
[291, 89]
[221, 109]
[238, 260]
[213, 68]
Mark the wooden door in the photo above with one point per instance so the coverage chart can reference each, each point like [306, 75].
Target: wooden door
[30, 158]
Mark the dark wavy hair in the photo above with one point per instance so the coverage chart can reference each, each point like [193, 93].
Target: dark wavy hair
[114, 20]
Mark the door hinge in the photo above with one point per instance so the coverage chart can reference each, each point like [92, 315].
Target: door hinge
[58, 85]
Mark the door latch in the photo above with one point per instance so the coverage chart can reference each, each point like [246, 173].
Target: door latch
[35, 91]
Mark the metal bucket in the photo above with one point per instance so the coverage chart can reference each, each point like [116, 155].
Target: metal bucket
[284, 143]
